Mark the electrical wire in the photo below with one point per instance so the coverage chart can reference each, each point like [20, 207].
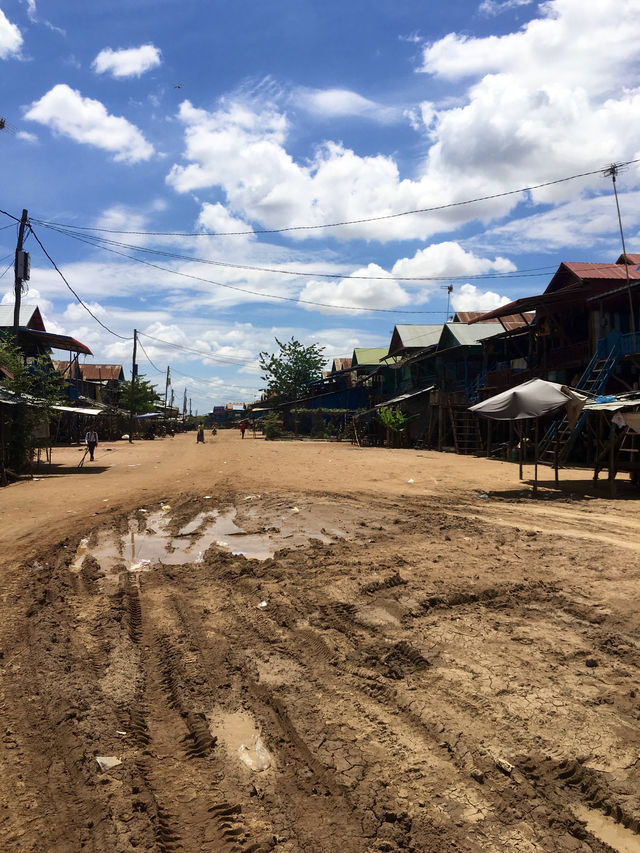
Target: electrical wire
[11, 216]
[202, 353]
[102, 242]
[262, 295]
[384, 217]
[161, 372]
[86, 307]
[7, 269]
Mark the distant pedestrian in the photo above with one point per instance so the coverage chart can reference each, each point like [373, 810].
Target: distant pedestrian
[243, 427]
[91, 440]
[200, 436]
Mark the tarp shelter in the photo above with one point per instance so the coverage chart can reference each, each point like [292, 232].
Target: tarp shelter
[532, 399]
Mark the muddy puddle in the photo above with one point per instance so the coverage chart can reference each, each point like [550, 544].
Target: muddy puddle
[154, 539]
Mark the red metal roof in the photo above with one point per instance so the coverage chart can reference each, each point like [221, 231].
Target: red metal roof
[94, 372]
[54, 341]
[572, 284]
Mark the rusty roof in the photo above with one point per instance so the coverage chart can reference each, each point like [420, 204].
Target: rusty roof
[509, 321]
[93, 372]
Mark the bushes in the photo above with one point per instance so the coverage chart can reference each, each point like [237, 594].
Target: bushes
[271, 426]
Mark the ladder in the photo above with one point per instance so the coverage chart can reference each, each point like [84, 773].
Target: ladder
[593, 382]
[467, 437]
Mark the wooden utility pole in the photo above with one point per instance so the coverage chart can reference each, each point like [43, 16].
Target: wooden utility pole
[166, 392]
[134, 372]
[19, 270]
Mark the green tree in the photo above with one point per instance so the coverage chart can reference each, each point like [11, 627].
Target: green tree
[288, 372]
[33, 378]
[145, 396]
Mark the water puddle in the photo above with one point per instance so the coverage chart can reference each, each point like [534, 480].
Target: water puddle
[152, 541]
[140, 549]
[614, 834]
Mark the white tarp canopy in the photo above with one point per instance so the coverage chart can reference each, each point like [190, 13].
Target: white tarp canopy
[530, 400]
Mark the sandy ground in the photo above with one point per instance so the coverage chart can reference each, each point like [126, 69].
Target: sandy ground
[311, 646]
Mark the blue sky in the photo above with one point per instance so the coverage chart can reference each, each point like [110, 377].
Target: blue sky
[204, 117]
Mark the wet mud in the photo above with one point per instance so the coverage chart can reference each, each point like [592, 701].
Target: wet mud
[305, 675]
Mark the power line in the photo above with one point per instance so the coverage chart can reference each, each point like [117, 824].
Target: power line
[102, 242]
[86, 307]
[203, 353]
[258, 293]
[147, 355]
[381, 218]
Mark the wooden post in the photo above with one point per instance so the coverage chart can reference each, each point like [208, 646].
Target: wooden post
[489, 425]
[556, 455]
[521, 446]
[535, 460]
[612, 462]
[510, 446]
[133, 386]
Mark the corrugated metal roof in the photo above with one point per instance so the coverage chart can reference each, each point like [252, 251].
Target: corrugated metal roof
[93, 372]
[366, 356]
[406, 337]
[30, 317]
[49, 339]
[401, 397]
[510, 321]
[471, 335]
[340, 364]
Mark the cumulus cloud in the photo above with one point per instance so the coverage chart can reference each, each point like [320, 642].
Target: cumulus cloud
[10, 38]
[132, 62]
[356, 292]
[85, 120]
[340, 103]
[549, 100]
[448, 259]
[471, 298]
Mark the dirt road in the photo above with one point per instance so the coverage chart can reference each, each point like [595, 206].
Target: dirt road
[311, 647]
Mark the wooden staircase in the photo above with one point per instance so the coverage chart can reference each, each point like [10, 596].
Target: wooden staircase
[465, 428]
[560, 436]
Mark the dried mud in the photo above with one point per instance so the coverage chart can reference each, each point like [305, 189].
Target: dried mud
[423, 675]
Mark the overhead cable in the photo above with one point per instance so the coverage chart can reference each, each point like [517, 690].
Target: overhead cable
[103, 242]
[344, 222]
[84, 305]
[258, 293]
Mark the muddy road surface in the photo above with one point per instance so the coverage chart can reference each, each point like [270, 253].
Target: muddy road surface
[291, 647]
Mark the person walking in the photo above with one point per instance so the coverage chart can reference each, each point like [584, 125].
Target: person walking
[200, 436]
[91, 440]
[243, 427]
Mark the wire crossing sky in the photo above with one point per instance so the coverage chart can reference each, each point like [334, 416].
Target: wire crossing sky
[216, 175]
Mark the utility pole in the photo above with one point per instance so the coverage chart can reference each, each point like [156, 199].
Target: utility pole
[184, 404]
[21, 270]
[189, 406]
[166, 391]
[134, 372]
[612, 172]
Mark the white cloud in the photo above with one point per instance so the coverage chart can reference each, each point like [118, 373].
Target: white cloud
[85, 120]
[547, 101]
[352, 292]
[448, 259]
[491, 8]
[471, 298]
[584, 224]
[31, 138]
[10, 38]
[339, 103]
[132, 62]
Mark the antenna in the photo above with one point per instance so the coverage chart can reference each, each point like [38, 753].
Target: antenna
[612, 172]
[449, 289]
